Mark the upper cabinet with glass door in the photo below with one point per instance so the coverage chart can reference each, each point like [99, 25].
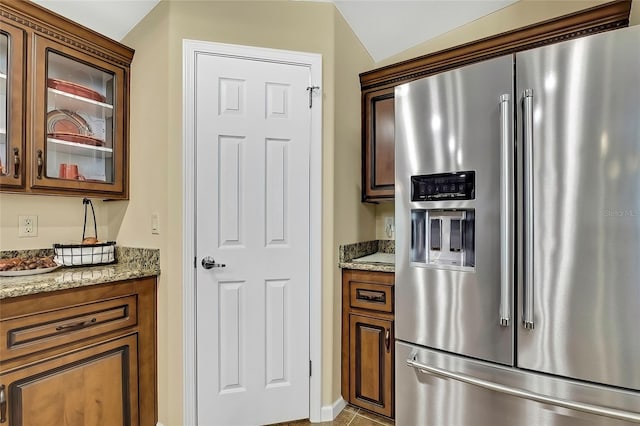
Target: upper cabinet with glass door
[78, 138]
[12, 128]
[77, 84]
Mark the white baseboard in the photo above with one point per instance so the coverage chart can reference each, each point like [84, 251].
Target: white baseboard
[159, 424]
[330, 412]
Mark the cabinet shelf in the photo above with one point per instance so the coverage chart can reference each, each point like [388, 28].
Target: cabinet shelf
[64, 100]
[66, 147]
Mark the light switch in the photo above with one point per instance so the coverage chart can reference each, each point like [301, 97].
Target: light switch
[155, 223]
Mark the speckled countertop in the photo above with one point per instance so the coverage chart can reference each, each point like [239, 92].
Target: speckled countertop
[349, 252]
[132, 263]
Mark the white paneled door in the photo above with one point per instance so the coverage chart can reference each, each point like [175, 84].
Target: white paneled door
[253, 127]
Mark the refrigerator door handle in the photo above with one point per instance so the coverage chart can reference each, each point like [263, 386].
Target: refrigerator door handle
[506, 212]
[527, 311]
[521, 393]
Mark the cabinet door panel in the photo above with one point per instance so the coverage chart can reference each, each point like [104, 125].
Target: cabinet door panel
[12, 119]
[384, 141]
[79, 136]
[371, 363]
[378, 145]
[94, 386]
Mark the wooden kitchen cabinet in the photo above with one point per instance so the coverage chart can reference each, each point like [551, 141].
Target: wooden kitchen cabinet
[378, 85]
[378, 159]
[70, 121]
[80, 356]
[368, 340]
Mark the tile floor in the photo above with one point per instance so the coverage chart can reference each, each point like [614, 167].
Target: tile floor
[350, 416]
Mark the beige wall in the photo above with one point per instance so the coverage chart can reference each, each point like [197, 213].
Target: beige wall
[634, 16]
[59, 220]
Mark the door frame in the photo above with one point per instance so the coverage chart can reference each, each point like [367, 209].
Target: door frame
[313, 61]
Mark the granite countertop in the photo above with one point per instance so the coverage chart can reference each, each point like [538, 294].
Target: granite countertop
[349, 252]
[132, 263]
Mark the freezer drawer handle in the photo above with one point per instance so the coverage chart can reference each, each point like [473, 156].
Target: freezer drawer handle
[506, 213]
[533, 396]
[527, 311]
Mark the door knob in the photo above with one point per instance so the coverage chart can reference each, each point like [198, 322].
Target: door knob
[209, 262]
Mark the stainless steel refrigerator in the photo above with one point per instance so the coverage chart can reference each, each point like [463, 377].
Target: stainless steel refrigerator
[518, 239]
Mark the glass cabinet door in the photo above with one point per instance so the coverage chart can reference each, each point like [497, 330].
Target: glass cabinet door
[79, 144]
[11, 106]
[80, 125]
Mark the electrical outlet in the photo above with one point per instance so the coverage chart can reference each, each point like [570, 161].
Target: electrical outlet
[389, 226]
[27, 226]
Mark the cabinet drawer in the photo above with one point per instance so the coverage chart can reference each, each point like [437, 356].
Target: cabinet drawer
[45, 330]
[373, 296]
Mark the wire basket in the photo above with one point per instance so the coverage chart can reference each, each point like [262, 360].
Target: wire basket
[86, 254]
[82, 254]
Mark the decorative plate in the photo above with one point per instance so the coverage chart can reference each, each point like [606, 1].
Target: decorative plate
[74, 137]
[28, 272]
[65, 121]
[75, 89]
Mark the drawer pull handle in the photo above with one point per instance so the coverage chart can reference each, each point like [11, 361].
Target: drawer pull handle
[75, 325]
[387, 339]
[3, 405]
[371, 296]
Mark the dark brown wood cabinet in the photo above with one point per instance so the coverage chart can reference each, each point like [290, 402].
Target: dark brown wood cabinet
[64, 125]
[368, 340]
[377, 86]
[80, 356]
[378, 159]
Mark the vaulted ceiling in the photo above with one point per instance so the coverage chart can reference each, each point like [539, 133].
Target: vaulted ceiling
[385, 27]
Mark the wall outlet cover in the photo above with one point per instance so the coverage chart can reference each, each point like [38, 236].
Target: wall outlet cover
[27, 226]
[389, 226]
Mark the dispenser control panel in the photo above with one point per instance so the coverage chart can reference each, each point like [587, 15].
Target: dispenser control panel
[444, 186]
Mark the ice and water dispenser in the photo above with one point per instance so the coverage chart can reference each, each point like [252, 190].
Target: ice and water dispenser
[443, 237]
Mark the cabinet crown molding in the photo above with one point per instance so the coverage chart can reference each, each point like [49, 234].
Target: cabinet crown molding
[54, 26]
[597, 19]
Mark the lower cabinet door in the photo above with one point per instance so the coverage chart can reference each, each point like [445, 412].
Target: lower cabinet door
[371, 360]
[97, 386]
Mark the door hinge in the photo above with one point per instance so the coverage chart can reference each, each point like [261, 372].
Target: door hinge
[195, 261]
[310, 89]
[309, 368]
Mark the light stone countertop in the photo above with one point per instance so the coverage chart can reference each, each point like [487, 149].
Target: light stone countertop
[132, 263]
[349, 252]
[379, 267]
